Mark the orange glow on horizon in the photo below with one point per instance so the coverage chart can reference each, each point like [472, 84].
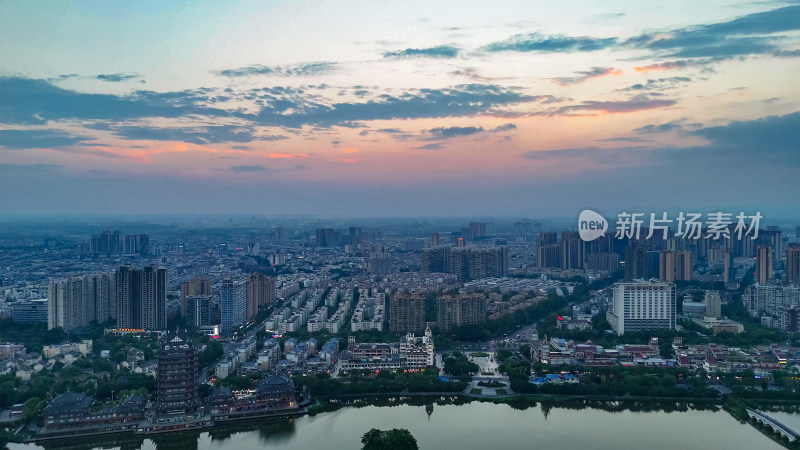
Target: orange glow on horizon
[289, 155]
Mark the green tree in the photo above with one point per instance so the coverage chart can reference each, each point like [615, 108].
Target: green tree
[458, 364]
[31, 409]
[394, 439]
[119, 357]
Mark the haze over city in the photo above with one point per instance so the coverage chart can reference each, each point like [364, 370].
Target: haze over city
[398, 109]
[375, 225]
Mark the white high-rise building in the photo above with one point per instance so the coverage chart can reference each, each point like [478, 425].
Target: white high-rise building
[232, 304]
[642, 305]
[77, 302]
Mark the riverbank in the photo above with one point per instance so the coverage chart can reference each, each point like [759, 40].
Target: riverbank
[547, 402]
[734, 406]
[149, 429]
[461, 422]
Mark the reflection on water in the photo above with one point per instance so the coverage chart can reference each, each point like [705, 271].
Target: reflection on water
[280, 431]
[449, 423]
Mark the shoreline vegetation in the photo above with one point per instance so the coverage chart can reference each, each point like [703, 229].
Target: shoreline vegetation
[547, 402]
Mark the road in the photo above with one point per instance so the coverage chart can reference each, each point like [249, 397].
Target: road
[230, 346]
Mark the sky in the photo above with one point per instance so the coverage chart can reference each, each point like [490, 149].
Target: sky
[390, 109]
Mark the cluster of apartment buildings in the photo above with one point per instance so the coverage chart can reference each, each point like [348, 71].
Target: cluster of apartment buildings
[411, 353]
[236, 359]
[652, 254]
[466, 262]
[136, 298]
[370, 311]
[778, 305]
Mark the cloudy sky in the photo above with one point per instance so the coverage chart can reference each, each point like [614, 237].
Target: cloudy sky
[377, 108]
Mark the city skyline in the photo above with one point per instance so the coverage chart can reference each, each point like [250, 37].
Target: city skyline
[415, 110]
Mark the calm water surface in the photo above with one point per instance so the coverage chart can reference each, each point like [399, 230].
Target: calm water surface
[475, 426]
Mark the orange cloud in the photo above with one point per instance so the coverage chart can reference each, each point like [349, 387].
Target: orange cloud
[580, 77]
[350, 150]
[669, 65]
[288, 155]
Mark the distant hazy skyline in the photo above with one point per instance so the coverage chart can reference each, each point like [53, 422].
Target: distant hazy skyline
[376, 109]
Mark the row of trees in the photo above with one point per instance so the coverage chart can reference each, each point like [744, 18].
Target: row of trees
[34, 336]
[509, 322]
[619, 381]
[381, 382]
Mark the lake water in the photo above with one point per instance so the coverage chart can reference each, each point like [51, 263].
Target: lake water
[476, 426]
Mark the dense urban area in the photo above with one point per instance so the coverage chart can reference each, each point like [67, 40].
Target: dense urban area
[148, 327]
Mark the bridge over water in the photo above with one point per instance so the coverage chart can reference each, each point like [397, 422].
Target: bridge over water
[776, 425]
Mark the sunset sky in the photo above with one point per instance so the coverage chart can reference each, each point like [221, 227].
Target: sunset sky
[413, 108]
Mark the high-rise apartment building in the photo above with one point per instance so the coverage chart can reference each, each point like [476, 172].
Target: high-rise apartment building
[635, 261]
[141, 297]
[136, 244]
[793, 264]
[195, 286]
[435, 240]
[467, 263]
[572, 251]
[683, 265]
[458, 310]
[774, 238]
[198, 311]
[548, 251]
[407, 313]
[380, 263]
[279, 234]
[608, 262]
[713, 304]
[327, 237]
[111, 243]
[79, 301]
[727, 271]
[107, 243]
[154, 298]
[642, 305]
[775, 303]
[666, 266]
[763, 264]
[232, 304]
[434, 260]
[354, 235]
[653, 262]
[523, 228]
[477, 230]
[260, 292]
[473, 263]
[176, 377]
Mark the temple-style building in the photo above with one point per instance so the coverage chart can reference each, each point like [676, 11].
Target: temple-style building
[71, 413]
[274, 395]
[177, 376]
